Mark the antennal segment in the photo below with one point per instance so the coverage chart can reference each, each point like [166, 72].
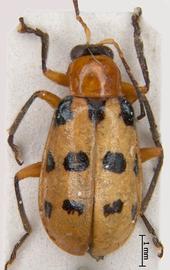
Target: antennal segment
[78, 17]
[76, 6]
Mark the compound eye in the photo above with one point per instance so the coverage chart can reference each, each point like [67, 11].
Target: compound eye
[82, 50]
[78, 51]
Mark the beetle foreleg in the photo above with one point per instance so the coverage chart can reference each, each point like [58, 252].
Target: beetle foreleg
[155, 239]
[30, 171]
[129, 92]
[139, 45]
[129, 72]
[23, 28]
[58, 77]
[50, 98]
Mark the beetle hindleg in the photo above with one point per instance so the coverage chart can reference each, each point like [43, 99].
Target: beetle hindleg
[129, 92]
[58, 77]
[155, 239]
[50, 98]
[149, 153]
[30, 171]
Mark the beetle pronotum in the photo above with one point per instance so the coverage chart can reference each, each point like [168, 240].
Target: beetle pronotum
[98, 100]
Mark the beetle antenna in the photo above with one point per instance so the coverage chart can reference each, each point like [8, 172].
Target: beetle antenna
[79, 18]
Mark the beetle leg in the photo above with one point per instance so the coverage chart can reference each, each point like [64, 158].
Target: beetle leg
[30, 171]
[50, 98]
[153, 183]
[58, 77]
[155, 239]
[129, 92]
[23, 28]
[149, 153]
[139, 45]
[129, 72]
[153, 127]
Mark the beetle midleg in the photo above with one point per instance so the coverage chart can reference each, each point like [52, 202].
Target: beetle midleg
[129, 92]
[58, 77]
[155, 239]
[30, 171]
[50, 98]
[153, 183]
[149, 153]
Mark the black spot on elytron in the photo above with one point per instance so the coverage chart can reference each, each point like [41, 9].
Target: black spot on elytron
[76, 162]
[136, 165]
[127, 111]
[134, 211]
[64, 113]
[115, 207]
[48, 209]
[114, 162]
[72, 206]
[96, 110]
[50, 165]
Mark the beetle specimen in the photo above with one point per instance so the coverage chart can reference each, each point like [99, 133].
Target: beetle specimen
[90, 191]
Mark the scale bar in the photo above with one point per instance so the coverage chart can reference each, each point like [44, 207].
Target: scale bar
[142, 248]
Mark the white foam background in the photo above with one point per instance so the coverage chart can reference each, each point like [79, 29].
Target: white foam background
[24, 78]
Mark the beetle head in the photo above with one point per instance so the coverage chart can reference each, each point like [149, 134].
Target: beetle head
[92, 72]
[90, 49]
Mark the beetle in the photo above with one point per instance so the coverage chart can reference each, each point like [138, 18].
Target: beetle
[90, 191]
